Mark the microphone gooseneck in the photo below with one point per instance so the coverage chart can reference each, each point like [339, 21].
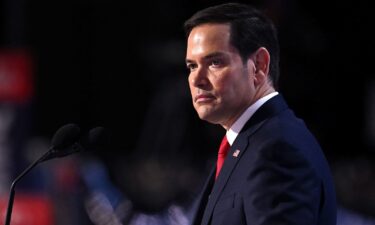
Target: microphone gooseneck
[64, 142]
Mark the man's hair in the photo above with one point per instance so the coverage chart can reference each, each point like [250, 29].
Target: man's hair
[250, 30]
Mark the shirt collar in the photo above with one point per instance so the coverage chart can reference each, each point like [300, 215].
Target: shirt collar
[235, 129]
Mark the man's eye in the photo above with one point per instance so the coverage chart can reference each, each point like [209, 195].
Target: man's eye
[191, 66]
[216, 62]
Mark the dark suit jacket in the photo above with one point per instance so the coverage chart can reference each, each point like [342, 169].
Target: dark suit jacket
[275, 174]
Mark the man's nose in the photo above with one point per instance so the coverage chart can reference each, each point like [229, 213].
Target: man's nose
[199, 77]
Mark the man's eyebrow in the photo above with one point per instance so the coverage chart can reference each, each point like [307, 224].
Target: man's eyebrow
[207, 57]
[214, 55]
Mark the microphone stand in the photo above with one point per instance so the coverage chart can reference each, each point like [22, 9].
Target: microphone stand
[12, 192]
[64, 143]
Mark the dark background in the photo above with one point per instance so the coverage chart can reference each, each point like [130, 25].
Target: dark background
[100, 62]
[120, 65]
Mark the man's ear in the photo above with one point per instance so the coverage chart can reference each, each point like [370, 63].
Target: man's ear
[261, 60]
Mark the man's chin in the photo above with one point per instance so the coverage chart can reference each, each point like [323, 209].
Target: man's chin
[208, 117]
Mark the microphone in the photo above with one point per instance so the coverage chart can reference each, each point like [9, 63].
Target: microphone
[64, 142]
[97, 139]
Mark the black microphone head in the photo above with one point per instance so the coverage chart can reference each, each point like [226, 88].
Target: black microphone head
[97, 138]
[66, 136]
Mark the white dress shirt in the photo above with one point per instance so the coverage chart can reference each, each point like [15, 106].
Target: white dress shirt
[235, 129]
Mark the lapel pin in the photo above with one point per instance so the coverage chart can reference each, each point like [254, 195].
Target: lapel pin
[236, 153]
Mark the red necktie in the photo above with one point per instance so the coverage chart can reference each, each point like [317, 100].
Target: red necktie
[223, 151]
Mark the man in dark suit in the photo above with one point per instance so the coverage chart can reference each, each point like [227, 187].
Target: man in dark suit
[275, 171]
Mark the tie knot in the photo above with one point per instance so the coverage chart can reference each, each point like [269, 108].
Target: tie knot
[224, 146]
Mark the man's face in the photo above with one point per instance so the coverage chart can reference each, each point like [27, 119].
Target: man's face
[221, 84]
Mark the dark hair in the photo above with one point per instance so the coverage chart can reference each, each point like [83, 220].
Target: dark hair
[249, 28]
